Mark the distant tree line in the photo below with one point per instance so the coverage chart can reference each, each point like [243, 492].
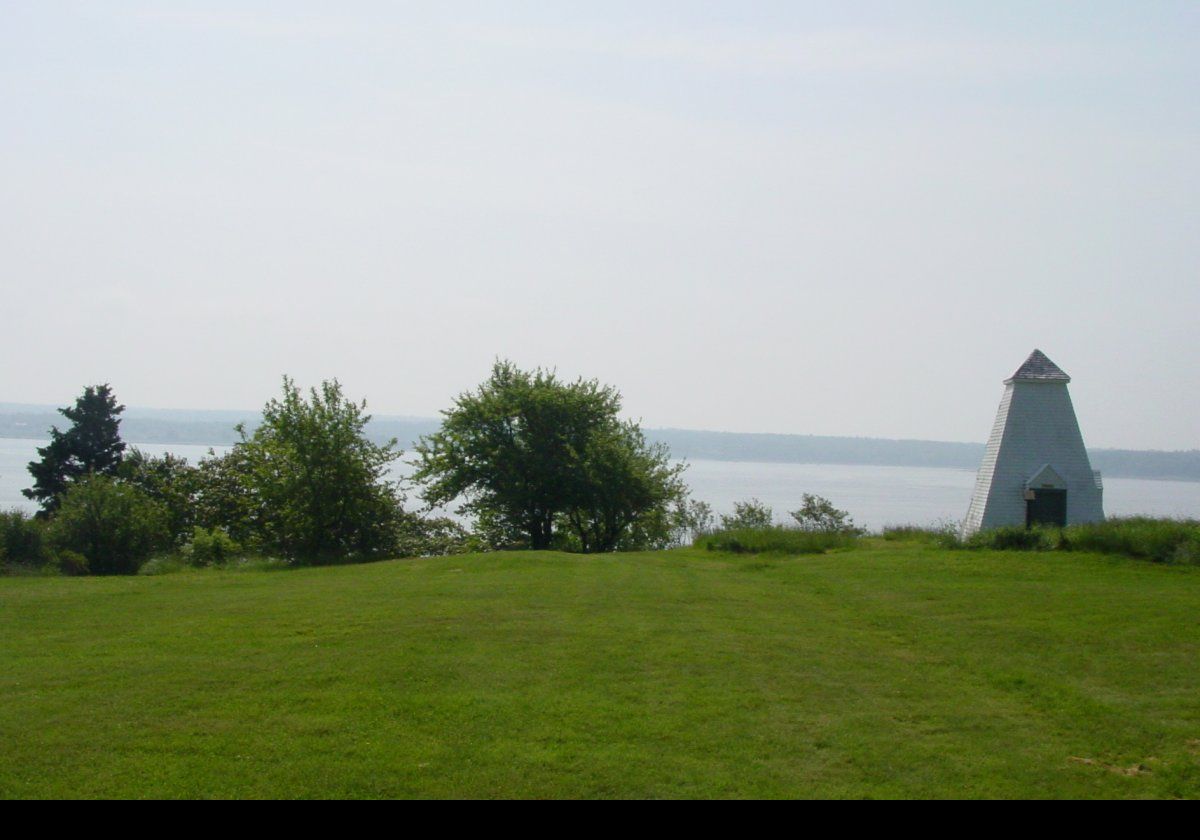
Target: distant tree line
[534, 461]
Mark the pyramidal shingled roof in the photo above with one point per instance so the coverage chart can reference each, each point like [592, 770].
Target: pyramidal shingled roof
[1039, 368]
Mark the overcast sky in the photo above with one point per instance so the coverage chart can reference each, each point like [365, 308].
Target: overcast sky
[827, 218]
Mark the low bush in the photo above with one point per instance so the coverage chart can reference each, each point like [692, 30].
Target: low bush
[1187, 553]
[748, 514]
[941, 534]
[113, 526]
[256, 563]
[818, 514]
[1015, 538]
[22, 541]
[908, 533]
[774, 539]
[1160, 540]
[417, 536]
[176, 562]
[70, 562]
[210, 547]
[165, 564]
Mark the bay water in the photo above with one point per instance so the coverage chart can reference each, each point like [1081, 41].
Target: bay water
[875, 496]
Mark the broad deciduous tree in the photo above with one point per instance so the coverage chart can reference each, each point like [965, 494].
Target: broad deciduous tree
[168, 480]
[315, 488]
[624, 492]
[542, 462]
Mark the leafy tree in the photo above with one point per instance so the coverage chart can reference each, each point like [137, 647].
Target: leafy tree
[623, 494]
[540, 462]
[91, 445]
[748, 514]
[310, 482]
[818, 514]
[114, 526]
[168, 480]
[225, 495]
[420, 536]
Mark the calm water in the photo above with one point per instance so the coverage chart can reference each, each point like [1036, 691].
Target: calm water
[875, 496]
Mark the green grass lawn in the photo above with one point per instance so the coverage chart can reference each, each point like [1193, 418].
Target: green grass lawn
[891, 670]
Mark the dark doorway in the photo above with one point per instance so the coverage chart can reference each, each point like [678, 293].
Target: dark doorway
[1047, 507]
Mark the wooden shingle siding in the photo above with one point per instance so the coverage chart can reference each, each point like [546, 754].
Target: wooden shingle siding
[1035, 427]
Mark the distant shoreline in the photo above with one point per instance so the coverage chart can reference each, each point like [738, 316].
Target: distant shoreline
[201, 428]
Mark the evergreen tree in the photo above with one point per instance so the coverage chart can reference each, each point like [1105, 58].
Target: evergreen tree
[92, 445]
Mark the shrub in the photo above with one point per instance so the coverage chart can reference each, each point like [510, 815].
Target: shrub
[818, 514]
[22, 540]
[907, 533]
[418, 536]
[171, 482]
[748, 514]
[1015, 538]
[942, 534]
[256, 563]
[1161, 540]
[1187, 553]
[690, 519]
[115, 527]
[315, 486]
[164, 564]
[210, 547]
[71, 562]
[774, 539]
[225, 496]
[949, 537]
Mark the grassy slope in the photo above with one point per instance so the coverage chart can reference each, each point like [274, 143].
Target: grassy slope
[890, 671]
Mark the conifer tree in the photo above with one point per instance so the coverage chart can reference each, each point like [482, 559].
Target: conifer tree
[92, 445]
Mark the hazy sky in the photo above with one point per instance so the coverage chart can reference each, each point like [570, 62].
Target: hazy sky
[827, 218]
